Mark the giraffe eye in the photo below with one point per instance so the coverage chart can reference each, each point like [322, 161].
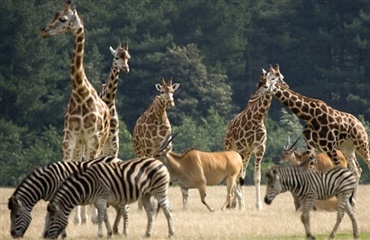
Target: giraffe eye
[63, 19]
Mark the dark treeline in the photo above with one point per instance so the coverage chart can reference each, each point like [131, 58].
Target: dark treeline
[214, 49]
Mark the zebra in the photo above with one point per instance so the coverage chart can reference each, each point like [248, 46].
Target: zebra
[42, 183]
[115, 184]
[310, 186]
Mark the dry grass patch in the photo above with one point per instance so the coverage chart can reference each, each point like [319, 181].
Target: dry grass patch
[277, 221]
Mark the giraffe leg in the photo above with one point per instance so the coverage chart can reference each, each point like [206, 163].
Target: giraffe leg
[260, 151]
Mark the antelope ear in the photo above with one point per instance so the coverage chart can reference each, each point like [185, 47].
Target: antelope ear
[112, 51]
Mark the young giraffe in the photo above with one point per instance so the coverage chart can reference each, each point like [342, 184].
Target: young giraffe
[86, 122]
[153, 126]
[327, 129]
[246, 134]
[108, 94]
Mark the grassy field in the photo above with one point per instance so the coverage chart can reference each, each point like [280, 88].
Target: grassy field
[277, 221]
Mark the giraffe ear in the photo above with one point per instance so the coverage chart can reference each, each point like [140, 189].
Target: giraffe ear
[158, 87]
[114, 52]
[175, 86]
[264, 71]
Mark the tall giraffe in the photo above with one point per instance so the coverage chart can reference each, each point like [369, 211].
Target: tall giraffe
[327, 129]
[108, 94]
[153, 126]
[247, 134]
[86, 121]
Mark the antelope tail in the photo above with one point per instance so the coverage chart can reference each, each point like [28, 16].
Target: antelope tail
[242, 177]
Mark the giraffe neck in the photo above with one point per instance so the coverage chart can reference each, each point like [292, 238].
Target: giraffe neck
[300, 105]
[109, 94]
[157, 110]
[80, 85]
[258, 107]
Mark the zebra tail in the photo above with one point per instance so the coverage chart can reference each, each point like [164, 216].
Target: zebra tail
[352, 201]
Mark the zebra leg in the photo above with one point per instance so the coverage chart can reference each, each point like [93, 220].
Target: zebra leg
[77, 218]
[117, 220]
[297, 202]
[126, 213]
[185, 195]
[103, 216]
[343, 204]
[352, 216]
[107, 224]
[150, 212]
[94, 214]
[164, 204]
[122, 211]
[307, 205]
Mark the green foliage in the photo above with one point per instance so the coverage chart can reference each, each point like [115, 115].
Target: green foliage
[214, 49]
[205, 134]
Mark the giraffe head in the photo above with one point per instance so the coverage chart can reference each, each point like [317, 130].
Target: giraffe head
[121, 57]
[65, 20]
[268, 81]
[167, 90]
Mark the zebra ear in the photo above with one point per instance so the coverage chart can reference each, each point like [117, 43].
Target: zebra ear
[52, 207]
[13, 203]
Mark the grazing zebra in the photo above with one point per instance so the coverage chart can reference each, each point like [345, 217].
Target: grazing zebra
[116, 184]
[42, 183]
[310, 186]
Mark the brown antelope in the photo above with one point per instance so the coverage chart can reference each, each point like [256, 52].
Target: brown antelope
[322, 163]
[197, 169]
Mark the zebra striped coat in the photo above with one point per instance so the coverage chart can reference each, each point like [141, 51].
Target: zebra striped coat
[42, 183]
[114, 184]
[310, 186]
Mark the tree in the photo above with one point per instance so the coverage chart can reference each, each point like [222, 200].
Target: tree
[200, 89]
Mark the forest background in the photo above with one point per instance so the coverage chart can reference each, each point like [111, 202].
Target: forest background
[214, 48]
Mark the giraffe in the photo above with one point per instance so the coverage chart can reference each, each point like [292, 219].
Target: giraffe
[327, 130]
[108, 94]
[86, 121]
[153, 126]
[247, 134]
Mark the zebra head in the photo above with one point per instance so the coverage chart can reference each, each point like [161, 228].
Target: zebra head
[273, 186]
[20, 217]
[55, 221]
